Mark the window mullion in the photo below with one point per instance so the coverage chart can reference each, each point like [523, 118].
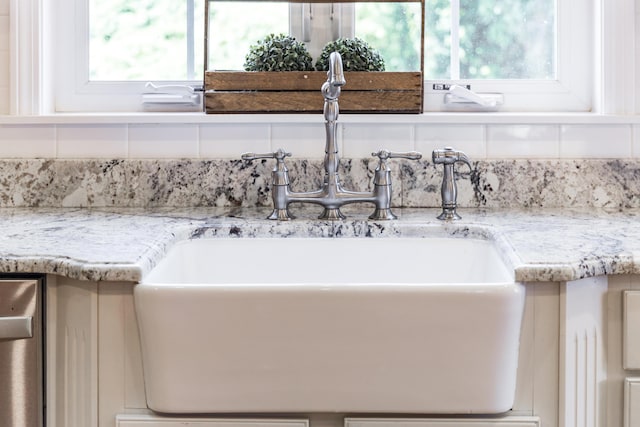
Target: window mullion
[191, 56]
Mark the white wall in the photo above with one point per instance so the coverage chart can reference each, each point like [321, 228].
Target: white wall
[547, 139]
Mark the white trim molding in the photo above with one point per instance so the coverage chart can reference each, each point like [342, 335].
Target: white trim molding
[133, 420]
[616, 65]
[25, 52]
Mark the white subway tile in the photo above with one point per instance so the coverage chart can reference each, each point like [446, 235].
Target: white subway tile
[467, 138]
[4, 32]
[27, 141]
[636, 142]
[222, 141]
[4, 67]
[595, 141]
[523, 141]
[304, 141]
[4, 100]
[159, 141]
[92, 141]
[360, 140]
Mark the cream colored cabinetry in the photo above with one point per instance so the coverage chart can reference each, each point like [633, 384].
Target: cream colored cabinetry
[93, 356]
[631, 329]
[569, 374]
[632, 402]
[631, 355]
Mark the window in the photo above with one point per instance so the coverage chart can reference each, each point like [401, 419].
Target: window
[105, 63]
[145, 40]
[562, 55]
[535, 53]
[486, 39]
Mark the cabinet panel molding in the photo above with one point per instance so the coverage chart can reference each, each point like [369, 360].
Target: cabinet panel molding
[631, 330]
[508, 421]
[159, 421]
[631, 402]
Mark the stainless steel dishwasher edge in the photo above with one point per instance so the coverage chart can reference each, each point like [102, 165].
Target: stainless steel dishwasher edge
[21, 351]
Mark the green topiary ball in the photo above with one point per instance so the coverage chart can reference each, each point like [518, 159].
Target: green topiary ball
[356, 54]
[278, 53]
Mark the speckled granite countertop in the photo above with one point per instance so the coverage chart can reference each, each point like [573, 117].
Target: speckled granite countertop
[118, 244]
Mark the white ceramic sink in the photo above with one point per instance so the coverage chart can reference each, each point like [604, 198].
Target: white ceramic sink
[396, 325]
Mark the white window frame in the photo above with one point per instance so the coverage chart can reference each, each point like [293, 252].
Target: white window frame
[74, 92]
[604, 82]
[572, 90]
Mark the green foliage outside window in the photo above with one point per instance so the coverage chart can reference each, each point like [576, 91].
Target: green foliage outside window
[506, 39]
[139, 40]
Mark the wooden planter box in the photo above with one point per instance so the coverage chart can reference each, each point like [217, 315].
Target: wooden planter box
[299, 91]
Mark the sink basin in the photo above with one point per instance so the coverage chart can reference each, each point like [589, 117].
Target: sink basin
[277, 325]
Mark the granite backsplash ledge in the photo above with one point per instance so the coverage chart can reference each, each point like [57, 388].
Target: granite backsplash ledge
[229, 183]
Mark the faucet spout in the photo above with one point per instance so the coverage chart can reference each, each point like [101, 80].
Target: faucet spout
[336, 70]
[335, 78]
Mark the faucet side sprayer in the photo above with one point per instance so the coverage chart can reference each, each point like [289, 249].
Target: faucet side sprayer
[449, 157]
[331, 195]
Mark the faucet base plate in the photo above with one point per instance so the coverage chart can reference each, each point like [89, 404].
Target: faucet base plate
[449, 215]
[332, 214]
[383, 214]
[281, 215]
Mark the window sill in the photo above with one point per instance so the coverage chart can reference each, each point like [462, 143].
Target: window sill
[425, 118]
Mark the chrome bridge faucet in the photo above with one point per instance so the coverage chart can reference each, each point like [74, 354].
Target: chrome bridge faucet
[449, 157]
[331, 195]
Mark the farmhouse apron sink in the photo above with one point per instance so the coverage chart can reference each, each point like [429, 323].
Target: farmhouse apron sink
[284, 325]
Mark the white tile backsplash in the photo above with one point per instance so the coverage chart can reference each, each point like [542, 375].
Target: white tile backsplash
[229, 141]
[160, 141]
[27, 141]
[4, 32]
[602, 141]
[360, 140]
[635, 142]
[4, 100]
[523, 141]
[4, 67]
[105, 141]
[305, 141]
[467, 138]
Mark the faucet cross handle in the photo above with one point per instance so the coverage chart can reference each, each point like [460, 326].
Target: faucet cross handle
[279, 155]
[382, 176]
[385, 154]
[382, 182]
[280, 173]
